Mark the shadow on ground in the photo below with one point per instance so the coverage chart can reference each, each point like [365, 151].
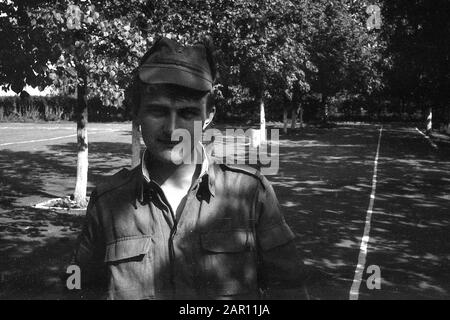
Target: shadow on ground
[411, 229]
[323, 186]
[35, 245]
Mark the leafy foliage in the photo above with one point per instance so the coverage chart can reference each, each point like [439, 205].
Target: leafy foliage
[416, 33]
[267, 48]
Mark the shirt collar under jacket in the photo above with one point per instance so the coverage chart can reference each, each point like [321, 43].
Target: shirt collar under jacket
[206, 173]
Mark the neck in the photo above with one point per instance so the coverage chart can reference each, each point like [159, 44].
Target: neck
[168, 173]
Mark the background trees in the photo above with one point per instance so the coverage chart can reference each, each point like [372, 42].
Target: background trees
[259, 44]
[416, 33]
[278, 56]
[345, 53]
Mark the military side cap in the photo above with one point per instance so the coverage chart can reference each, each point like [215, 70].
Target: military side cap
[168, 62]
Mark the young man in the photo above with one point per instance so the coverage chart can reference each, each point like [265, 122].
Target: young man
[172, 229]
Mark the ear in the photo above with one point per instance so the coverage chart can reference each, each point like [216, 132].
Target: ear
[209, 118]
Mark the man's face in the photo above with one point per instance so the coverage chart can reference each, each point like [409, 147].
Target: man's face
[161, 113]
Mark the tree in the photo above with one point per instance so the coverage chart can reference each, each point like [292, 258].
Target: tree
[418, 72]
[268, 48]
[86, 48]
[345, 53]
[259, 44]
[270, 51]
[87, 64]
[21, 62]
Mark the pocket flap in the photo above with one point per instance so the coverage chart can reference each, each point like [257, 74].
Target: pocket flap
[227, 241]
[127, 248]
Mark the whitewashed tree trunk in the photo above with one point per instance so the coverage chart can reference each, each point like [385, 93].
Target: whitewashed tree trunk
[262, 120]
[82, 169]
[135, 144]
[255, 137]
[285, 120]
[429, 121]
[82, 145]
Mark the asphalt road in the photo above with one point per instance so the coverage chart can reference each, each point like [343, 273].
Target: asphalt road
[325, 183]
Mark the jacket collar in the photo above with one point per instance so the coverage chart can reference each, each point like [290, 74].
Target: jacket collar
[144, 183]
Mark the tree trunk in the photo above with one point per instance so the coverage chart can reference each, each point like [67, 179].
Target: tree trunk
[262, 117]
[300, 113]
[82, 144]
[429, 121]
[296, 95]
[447, 122]
[44, 101]
[15, 109]
[285, 119]
[293, 117]
[135, 144]
[324, 109]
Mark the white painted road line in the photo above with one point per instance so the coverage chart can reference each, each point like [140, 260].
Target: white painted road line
[59, 128]
[37, 128]
[49, 139]
[428, 138]
[354, 291]
[39, 140]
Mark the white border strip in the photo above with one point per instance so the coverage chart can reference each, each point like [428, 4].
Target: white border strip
[434, 145]
[354, 291]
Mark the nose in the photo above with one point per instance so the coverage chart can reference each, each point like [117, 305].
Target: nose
[170, 123]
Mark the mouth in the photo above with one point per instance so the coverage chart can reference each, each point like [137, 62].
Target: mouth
[169, 143]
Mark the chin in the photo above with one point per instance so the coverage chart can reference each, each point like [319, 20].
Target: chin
[164, 156]
[176, 157]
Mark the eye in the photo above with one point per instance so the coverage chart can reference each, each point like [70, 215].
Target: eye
[189, 113]
[156, 111]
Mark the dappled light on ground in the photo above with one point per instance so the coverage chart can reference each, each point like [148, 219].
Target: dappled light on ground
[323, 185]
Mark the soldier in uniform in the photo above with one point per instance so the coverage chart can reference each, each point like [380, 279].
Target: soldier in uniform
[192, 230]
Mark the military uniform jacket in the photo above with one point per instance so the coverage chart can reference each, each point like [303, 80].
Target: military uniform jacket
[230, 240]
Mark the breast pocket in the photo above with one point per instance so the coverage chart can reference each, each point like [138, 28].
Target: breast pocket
[130, 263]
[228, 263]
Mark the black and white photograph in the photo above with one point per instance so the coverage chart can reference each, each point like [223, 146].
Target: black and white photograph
[200, 150]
